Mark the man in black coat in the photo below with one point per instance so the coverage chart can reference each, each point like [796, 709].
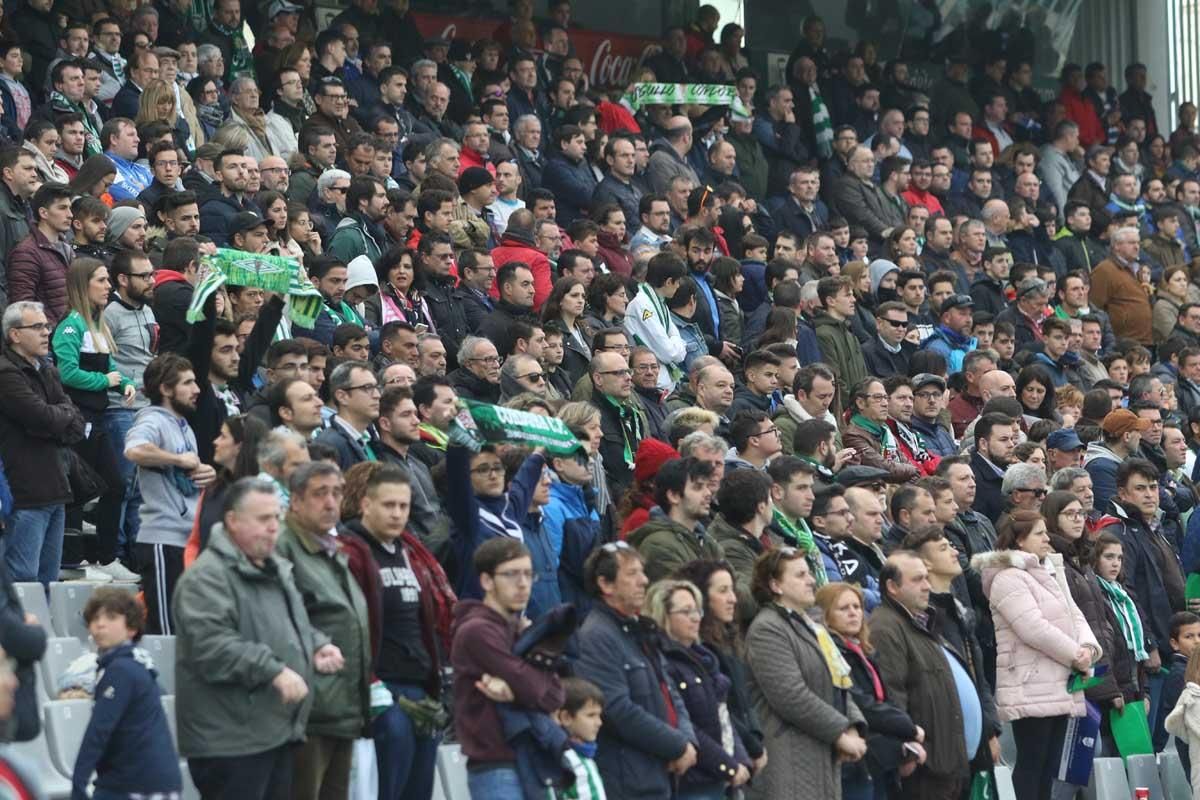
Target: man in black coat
[888, 353]
[515, 282]
[995, 439]
[478, 375]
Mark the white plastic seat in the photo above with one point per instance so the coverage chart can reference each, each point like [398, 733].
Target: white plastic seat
[66, 608]
[452, 770]
[1109, 781]
[1170, 772]
[168, 704]
[1142, 771]
[36, 754]
[60, 652]
[162, 650]
[33, 601]
[66, 723]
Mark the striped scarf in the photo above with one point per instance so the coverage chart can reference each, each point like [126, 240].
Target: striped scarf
[1127, 617]
[799, 536]
[822, 124]
[269, 273]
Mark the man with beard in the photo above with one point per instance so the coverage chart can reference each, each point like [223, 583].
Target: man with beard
[357, 234]
[399, 428]
[230, 198]
[994, 445]
[131, 322]
[329, 274]
[698, 243]
[171, 476]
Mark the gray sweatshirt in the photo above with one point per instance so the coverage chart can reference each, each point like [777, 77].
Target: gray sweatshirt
[135, 332]
[168, 494]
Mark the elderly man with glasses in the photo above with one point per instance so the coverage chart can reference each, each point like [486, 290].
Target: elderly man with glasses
[478, 375]
[1023, 488]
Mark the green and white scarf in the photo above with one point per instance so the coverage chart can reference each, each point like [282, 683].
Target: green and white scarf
[1127, 617]
[478, 424]
[800, 537]
[822, 124]
[91, 142]
[883, 433]
[270, 273]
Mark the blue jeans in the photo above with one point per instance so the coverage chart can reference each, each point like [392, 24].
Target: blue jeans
[118, 421]
[715, 791]
[33, 543]
[494, 783]
[406, 761]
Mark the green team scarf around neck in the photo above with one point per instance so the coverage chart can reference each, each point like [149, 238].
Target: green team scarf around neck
[478, 424]
[801, 537]
[270, 273]
[883, 433]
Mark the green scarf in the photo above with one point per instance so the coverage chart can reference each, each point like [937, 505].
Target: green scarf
[483, 423]
[800, 537]
[822, 124]
[887, 442]
[269, 273]
[631, 428]
[1127, 617]
[91, 143]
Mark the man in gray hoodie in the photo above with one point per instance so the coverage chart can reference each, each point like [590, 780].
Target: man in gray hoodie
[135, 331]
[171, 475]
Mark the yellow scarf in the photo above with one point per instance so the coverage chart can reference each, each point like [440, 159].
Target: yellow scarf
[839, 670]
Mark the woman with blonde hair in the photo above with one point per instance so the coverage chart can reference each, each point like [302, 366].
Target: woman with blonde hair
[584, 421]
[83, 348]
[894, 741]
[158, 104]
[722, 762]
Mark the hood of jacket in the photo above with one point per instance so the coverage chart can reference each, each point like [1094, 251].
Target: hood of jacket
[361, 272]
[571, 497]
[1096, 451]
[878, 269]
[658, 523]
[162, 276]
[991, 563]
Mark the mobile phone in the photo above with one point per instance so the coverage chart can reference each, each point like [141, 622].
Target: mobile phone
[420, 327]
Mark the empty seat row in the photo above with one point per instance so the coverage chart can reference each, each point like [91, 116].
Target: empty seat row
[62, 614]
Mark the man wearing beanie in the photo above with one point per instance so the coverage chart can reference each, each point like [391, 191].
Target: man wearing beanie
[126, 229]
[473, 227]
[358, 233]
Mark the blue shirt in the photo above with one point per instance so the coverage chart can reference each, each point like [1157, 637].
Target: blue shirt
[968, 700]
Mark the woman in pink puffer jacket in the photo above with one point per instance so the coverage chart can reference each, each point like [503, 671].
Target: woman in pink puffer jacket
[1041, 639]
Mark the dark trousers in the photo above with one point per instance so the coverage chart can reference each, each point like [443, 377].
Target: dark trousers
[160, 565]
[1039, 748]
[261, 776]
[406, 760]
[323, 768]
[97, 452]
[925, 785]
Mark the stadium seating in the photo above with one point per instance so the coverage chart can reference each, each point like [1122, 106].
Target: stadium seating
[66, 722]
[60, 652]
[1108, 780]
[33, 601]
[1143, 773]
[1170, 772]
[452, 772]
[162, 650]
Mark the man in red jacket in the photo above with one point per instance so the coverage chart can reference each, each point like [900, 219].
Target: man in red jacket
[517, 245]
[487, 672]
[1079, 109]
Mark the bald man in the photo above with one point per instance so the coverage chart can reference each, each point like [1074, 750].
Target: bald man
[670, 162]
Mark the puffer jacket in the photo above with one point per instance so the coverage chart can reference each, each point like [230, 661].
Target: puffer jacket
[1038, 631]
[37, 270]
[518, 246]
[666, 545]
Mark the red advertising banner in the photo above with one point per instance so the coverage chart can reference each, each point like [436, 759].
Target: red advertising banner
[609, 59]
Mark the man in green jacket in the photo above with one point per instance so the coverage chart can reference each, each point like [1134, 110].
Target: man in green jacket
[674, 534]
[337, 606]
[839, 346]
[366, 206]
[247, 655]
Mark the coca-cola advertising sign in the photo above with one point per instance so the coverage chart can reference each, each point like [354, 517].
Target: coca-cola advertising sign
[609, 59]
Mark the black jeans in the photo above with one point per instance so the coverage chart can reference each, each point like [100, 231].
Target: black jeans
[1039, 749]
[261, 776]
[97, 451]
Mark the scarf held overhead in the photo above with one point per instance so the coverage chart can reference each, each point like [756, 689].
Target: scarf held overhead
[479, 424]
[270, 273]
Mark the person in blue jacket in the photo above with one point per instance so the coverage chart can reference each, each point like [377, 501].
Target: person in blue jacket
[482, 507]
[127, 742]
[572, 525]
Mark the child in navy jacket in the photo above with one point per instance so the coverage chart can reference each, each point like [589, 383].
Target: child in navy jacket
[128, 741]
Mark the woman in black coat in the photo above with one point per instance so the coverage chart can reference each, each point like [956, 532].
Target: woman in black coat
[720, 633]
[894, 743]
[721, 761]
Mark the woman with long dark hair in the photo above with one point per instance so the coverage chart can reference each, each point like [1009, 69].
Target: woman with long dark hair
[1042, 638]
[1035, 391]
[94, 178]
[83, 349]
[607, 299]
[235, 455]
[566, 304]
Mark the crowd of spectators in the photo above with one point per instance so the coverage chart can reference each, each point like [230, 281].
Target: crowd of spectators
[887, 406]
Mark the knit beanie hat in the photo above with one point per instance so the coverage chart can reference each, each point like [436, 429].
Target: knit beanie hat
[651, 455]
[120, 219]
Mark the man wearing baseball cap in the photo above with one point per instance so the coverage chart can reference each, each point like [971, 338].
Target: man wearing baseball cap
[1064, 449]
[1027, 311]
[1121, 437]
[952, 337]
[929, 400]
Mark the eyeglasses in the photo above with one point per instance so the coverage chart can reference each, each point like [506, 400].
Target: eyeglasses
[142, 276]
[647, 368]
[615, 547]
[928, 395]
[877, 398]
[1036, 492]
[768, 431]
[537, 377]
[339, 189]
[284, 170]
[624, 373]
[369, 388]
[518, 575]
[895, 323]
[487, 359]
[488, 469]
[37, 326]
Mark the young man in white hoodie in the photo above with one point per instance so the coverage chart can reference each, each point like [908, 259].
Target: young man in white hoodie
[648, 322]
